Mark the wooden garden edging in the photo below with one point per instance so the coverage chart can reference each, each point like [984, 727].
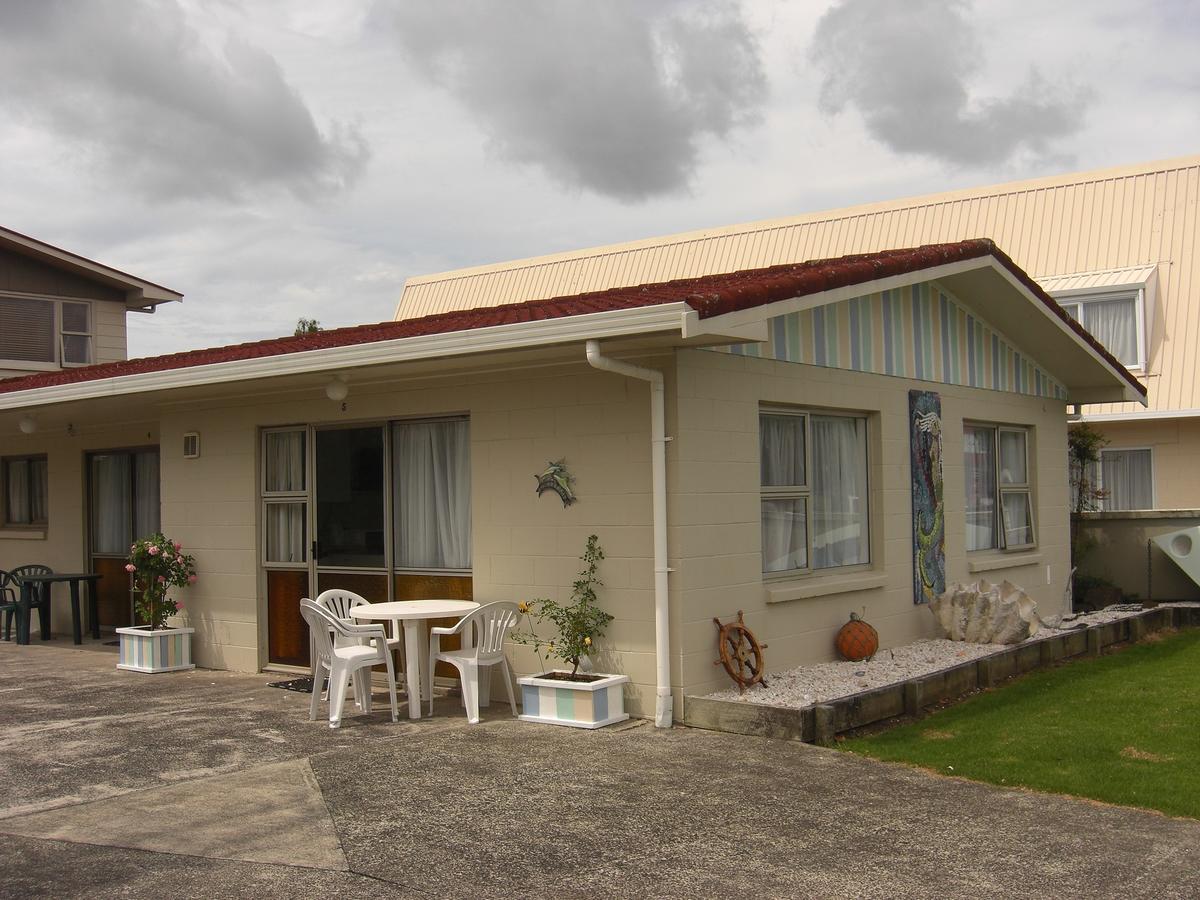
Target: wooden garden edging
[821, 723]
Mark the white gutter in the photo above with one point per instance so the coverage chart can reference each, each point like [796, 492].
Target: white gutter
[658, 471]
[665, 317]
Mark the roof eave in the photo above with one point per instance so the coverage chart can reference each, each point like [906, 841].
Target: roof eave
[665, 317]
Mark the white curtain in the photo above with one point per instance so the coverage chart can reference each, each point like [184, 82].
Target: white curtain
[284, 461]
[431, 486]
[979, 461]
[1114, 324]
[784, 534]
[1013, 458]
[839, 492]
[286, 532]
[1018, 518]
[17, 492]
[39, 485]
[1126, 479]
[146, 513]
[781, 445]
[111, 520]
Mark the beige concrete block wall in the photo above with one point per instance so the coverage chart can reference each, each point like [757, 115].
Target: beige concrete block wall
[714, 509]
[525, 546]
[62, 545]
[1121, 554]
[1175, 446]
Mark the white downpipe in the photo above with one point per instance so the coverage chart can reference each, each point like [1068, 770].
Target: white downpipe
[658, 476]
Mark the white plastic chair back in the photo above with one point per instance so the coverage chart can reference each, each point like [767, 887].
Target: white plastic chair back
[339, 603]
[320, 625]
[490, 623]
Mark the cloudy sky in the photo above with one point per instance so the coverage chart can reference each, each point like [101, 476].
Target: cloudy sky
[280, 159]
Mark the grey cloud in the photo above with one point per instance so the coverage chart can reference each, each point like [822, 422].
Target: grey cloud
[907, 68]
[132, 87]
[615, 97]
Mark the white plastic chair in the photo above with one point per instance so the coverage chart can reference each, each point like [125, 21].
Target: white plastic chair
[482, 633]
[339, 603]
[342, 649]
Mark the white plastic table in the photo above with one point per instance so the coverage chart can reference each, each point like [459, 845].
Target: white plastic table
[413, 614]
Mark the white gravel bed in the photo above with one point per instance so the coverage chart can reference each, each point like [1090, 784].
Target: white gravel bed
[810, 685]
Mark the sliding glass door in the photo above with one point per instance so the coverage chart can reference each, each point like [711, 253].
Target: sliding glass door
[123, 505]
[382, 510]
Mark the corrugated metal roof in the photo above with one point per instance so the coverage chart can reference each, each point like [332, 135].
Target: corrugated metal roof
[1131, 217]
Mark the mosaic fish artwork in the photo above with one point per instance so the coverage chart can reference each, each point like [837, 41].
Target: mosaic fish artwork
[929, 510]
[556, 478]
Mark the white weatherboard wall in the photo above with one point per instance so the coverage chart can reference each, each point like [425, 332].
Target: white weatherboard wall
[524, 546]
[715, 532]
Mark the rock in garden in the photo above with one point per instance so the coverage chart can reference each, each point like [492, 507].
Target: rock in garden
[986, 613]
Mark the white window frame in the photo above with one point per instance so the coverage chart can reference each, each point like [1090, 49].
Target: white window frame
[286, 498]
[1082, 297]
[63, 334]
[804, 491]
[60, 356]
[1099, 477]
[1000, 490]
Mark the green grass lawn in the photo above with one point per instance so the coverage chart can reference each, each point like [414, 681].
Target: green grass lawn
[1124, 729]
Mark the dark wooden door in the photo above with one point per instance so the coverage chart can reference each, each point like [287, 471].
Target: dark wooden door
[287, 632]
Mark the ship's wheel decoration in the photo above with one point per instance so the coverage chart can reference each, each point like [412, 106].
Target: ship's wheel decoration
[741, 653]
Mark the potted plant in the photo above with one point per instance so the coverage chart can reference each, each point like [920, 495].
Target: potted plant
[558, 697]
[157, 564]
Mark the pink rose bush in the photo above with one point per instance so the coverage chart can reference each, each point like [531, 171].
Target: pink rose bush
[158, 564]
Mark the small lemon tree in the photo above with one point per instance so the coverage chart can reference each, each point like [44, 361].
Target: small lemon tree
[577, 624]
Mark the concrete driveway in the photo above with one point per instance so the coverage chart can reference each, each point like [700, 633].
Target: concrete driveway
[208, 784]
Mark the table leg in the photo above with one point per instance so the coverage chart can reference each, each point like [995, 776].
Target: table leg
[412, 653]
[93, 610]
[23, 613]
[76, 627]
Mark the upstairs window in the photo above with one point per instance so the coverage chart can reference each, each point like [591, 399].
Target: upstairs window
[46, 332]
[1115, 320]
[25, 490]
[27, 330]
[76, 333]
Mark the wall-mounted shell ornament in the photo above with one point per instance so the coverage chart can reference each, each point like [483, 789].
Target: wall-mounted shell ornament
[556, 478]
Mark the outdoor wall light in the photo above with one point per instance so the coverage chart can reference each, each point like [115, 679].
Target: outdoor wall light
[28, 425]
[337, 390]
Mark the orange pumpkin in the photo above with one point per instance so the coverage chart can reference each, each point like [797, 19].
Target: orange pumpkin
[857, 640]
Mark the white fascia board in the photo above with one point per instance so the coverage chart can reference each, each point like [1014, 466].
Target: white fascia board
[696, 327]
[665, 317]
[722, 324]
[1147, 416]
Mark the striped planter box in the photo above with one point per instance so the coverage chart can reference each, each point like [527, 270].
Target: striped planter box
[165, 650]
[581, 705]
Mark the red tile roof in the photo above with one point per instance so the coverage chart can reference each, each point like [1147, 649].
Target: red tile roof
[709, 295]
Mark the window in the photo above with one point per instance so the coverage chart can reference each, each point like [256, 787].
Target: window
[45, 331]
[286, 494]
[25, 490]
[76, 333]
[999, 514]
[814, 491]
[1115, 320]
[1127, 479]
[431, 489]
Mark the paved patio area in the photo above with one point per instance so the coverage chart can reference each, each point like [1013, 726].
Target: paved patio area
[209, 784]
